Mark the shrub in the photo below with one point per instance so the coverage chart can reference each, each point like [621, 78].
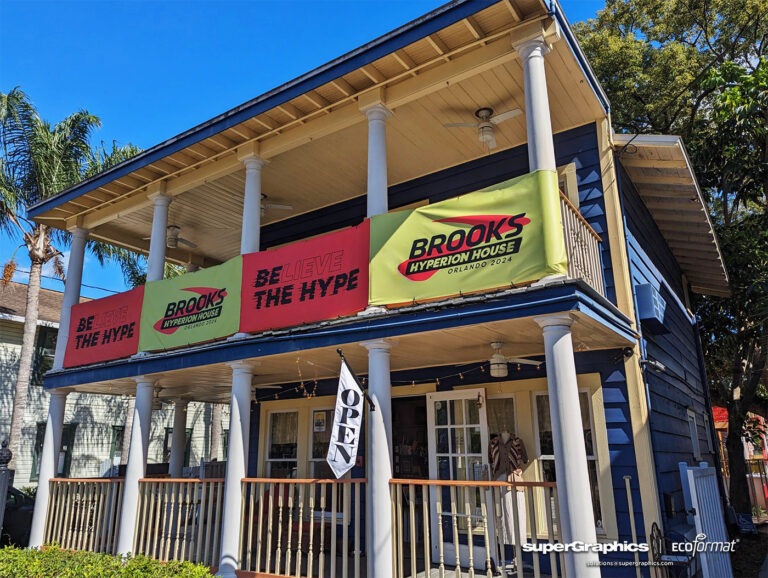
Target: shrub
[53, 561]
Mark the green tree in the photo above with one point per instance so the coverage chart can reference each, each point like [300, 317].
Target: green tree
[38, 160]
[697, 68]
[653, 57]
[732, 150]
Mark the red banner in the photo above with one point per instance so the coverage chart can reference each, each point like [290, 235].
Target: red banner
[104, 329]
[322, 278]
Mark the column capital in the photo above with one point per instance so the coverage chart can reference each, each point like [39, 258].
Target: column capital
[526, 47]
[377, 344]
[242, 366]
[61, 392]
[561, 320]
[253, 162]
[79, 232]
[160, 198]
[145, 380]
[376, 111]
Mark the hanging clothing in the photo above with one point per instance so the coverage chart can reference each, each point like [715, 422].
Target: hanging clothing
[506, 458]
[512, 500]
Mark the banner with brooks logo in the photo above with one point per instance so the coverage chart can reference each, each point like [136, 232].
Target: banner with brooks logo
[504, 235]
[192, 308]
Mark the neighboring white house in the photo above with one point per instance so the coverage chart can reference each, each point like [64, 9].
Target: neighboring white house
[92, 440]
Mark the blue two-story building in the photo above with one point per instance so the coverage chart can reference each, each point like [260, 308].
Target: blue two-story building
[549, 404]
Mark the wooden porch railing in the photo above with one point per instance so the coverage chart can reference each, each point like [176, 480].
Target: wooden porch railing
[302, 527]
[461, 528]
[179, 519]
[582, 245]
[84, 513]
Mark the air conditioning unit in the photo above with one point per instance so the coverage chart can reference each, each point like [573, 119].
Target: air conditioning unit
[650, 308]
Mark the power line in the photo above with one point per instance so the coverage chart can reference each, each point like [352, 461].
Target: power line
[53, 278]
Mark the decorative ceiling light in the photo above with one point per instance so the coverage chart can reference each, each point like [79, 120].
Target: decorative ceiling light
[499, 362]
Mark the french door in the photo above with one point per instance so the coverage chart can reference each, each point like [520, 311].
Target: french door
[458, 449]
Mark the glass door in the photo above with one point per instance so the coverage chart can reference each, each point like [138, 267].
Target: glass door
[458, 449]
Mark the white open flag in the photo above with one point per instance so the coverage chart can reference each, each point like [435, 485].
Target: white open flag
[347, 423]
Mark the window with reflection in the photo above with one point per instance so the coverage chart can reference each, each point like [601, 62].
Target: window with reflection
[546, 448]
[283, 437]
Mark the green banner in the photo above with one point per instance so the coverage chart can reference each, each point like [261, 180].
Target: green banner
[504, 235]
[192, 308]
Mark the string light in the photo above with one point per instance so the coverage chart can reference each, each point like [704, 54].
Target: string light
[302, 389]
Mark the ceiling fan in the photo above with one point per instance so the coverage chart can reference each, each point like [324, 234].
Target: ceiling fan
[486, 120]
[499, 361]
[172, 238]
[276, 206]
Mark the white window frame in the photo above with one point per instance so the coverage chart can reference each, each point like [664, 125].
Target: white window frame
[311, 460]
[566, 175]
[693, 431]
[601, 530]
[513, 397]
[267, 460]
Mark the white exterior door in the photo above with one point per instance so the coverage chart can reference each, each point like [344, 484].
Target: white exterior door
[457, 435]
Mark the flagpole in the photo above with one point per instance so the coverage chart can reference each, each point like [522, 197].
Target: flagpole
[371, 405]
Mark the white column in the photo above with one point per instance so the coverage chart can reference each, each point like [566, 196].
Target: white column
[48, 465]
[541, 150]
[573, 488]
[156, 259]
[379, 509]
[377, 159]
[137, 462]
[237, 465]
[71, 291]
[250, 237]
[178, 439]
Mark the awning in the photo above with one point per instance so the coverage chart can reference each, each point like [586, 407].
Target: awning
[660, 169]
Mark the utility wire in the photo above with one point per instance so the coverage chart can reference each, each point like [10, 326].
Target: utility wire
[54, 278]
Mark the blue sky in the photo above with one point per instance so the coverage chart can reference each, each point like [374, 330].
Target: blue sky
[152, 69]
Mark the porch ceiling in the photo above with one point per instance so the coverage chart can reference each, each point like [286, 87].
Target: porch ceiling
[522, 337]
[316, 141]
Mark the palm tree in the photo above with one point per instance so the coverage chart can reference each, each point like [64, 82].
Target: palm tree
[38, 160]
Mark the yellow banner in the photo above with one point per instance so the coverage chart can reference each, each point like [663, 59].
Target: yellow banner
[504, 235]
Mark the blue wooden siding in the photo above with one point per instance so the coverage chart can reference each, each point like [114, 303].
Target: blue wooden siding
[577, 146]
[680, 385]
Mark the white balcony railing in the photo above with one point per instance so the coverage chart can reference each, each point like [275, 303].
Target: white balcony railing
[582, 245]
[84, 514]
[180, 519]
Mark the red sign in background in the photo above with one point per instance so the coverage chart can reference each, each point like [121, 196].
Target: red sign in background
[322, 278]
[104, 329]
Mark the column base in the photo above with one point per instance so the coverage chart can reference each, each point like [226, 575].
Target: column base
[372, 310]
[238, 336]
[226, 572]
[548, 280]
